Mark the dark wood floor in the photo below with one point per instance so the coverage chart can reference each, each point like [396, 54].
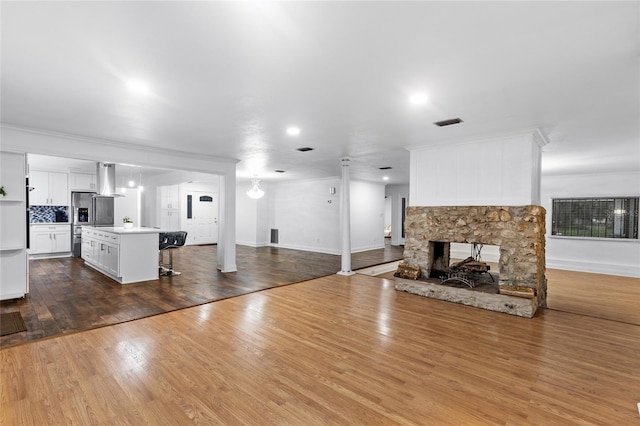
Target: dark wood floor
[67, 296]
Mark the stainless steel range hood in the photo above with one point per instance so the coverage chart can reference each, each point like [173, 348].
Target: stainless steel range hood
[106, 177]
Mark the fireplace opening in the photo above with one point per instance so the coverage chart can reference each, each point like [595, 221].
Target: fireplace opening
[463, 272]
[440, 251]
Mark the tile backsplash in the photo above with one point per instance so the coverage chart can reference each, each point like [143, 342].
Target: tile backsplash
[48, 214]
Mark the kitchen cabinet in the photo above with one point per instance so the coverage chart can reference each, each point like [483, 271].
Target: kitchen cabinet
[82, 181]
[14, 267]
[109, 257]
[89, 248]
[170, 197]
[170, 219]
[125, 255]
[49, 188]
[50, 239]
[101, 249]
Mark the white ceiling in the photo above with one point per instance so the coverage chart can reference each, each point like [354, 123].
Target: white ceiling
[227, 79]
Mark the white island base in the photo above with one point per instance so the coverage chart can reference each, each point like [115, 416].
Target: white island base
[126, 255]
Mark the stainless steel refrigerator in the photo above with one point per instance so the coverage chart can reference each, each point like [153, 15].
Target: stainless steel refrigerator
[88, 209]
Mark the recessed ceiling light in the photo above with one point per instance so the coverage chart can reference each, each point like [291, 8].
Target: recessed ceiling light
[304, 149]
[385, 178]
[418, 98]
[138, 86]
[293, 131]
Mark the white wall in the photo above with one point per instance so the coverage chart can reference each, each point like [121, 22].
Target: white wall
[597, 255]
[127, 205]
[252, 216]
[246, 217]
[150, 214]
[307, 216]
[396, 193]
[387, 210]
[367, 216]
[498, 171]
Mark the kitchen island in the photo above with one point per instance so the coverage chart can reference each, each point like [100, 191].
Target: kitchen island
[126, 255]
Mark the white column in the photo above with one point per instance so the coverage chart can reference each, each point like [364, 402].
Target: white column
[345, 219]
[227, 223]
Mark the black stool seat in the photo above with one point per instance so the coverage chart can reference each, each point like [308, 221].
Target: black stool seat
[169, 241]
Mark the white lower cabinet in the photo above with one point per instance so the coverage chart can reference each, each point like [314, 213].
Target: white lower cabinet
[102, 249]
[108, 257]
[88, 249]
[170, 219]
[50, 239]
[126, 256]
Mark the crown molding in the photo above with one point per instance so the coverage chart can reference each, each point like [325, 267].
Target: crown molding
[539, 138]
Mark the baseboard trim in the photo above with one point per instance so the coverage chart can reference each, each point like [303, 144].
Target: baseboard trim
[249, 244]
[594, 267]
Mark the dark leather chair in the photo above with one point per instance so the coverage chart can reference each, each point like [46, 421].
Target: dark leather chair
[170, 241]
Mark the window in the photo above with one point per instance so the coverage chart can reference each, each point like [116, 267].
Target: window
[595, 217]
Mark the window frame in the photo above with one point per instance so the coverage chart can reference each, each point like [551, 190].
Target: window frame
[632, 225]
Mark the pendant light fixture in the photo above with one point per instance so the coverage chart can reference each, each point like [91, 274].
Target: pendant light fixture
[255, 192]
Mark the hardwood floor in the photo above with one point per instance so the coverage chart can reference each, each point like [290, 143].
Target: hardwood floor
[333, 350]
[597, 295]
[68, 296]
[601, 296]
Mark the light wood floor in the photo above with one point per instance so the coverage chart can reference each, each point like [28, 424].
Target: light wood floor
[597, 295]
[602, 296]
[333, 350]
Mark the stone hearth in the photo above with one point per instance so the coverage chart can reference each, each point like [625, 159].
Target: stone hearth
[517, 230]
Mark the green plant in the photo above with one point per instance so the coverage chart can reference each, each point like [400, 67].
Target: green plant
[126, 219]
[2, 191]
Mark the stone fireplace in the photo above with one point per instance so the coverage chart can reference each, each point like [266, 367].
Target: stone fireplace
[519, 285]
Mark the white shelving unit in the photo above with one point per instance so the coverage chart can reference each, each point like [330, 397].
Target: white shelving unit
[14, 282]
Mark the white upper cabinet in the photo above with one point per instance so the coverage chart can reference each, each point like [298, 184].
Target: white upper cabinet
[170, 197]
[49, 188]
[83, 182]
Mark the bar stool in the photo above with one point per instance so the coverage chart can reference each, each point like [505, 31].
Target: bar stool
[170, 241]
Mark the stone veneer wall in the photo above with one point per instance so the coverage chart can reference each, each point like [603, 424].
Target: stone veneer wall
[518, 231]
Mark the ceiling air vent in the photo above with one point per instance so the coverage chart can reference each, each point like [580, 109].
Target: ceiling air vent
[305, 149]
[448, 122]
[385, 168]
[279, 171]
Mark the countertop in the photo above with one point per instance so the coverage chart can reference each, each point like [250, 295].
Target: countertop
[121, 230]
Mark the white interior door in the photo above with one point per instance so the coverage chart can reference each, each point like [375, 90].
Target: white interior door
[201, 221]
